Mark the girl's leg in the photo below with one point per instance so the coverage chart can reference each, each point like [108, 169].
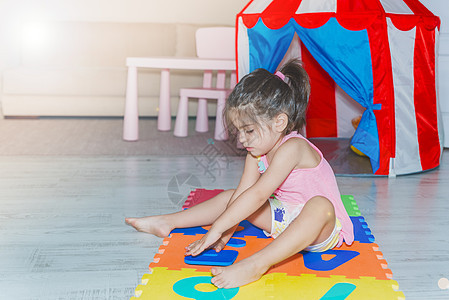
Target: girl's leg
[314, 225]
[204, 213]
[262, 217]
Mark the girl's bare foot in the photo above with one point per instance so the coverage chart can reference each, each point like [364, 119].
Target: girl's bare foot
[156, 225]
[238, 274]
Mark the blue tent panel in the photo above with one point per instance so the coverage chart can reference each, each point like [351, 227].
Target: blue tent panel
[268, 46]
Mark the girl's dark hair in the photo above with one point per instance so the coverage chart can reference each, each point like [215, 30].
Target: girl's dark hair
[262, 95]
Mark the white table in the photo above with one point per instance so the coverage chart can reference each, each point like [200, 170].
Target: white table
[131, 117]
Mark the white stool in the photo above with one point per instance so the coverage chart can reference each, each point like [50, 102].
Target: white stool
[181, 125]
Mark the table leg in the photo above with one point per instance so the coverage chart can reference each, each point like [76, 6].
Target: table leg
[221, 79]
[202, 119]
[131, 117]
[233, 81]
[164, 115]
[221, 132]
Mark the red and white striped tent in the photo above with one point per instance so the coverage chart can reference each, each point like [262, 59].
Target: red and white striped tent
[381, 53]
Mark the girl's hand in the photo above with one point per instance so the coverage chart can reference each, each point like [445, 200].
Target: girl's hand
[206, 242]
[225, 237]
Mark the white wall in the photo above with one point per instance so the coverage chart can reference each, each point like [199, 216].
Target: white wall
[14, 13]
[172, 11]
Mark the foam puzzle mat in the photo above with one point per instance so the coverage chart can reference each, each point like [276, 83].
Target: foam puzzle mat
[358, 271]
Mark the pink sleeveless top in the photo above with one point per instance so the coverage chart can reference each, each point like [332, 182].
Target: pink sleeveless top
[304, 184]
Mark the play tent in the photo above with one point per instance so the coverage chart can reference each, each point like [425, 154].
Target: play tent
[382, 53]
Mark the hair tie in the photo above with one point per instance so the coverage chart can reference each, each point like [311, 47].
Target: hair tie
[280, 75]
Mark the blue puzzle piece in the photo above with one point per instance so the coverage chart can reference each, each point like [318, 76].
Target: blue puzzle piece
[236, 243]
[250, 230]
[315, 261]
[362, 233]
[190, 230]
[339, 291]
[212, 258]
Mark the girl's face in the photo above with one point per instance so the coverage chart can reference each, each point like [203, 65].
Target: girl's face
[258, 138]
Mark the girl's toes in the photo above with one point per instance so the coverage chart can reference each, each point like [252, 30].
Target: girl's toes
[218, 283]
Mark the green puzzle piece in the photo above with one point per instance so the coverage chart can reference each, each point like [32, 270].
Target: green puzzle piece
[351, 206]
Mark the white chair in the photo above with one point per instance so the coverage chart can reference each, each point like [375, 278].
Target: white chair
[216, 43]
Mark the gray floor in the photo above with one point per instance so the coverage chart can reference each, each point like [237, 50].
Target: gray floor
[99, 136]
[63, 237]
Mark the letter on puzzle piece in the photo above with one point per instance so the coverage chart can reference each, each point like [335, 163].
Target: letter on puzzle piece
[186, 288]
[190, 230]
[236, 243]
[212, 258]
[315, 261]
[339, 291]
[249, 230]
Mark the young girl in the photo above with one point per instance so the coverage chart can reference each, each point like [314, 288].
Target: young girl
[287, 188]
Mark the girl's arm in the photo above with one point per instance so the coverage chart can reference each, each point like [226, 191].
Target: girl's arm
[285, 160]
[249, 177]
